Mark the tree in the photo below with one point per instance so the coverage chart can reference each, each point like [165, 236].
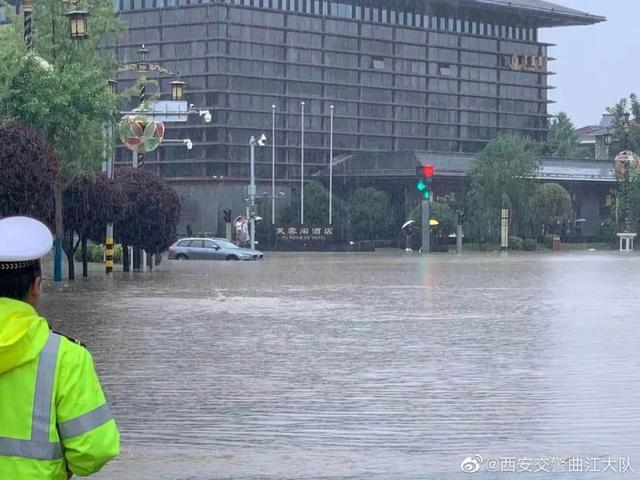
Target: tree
[61, 90]
[562, 140]
[90, 202]
[370, 214]
[552, 206]
[447, 218]
[151, 213]
[28, 166]
[502, 173]
[625, 139]
[316, 206]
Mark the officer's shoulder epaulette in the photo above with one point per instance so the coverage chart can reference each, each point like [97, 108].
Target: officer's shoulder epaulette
[71, 339]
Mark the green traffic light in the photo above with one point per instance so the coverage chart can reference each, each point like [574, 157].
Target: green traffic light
[421, 186]
[426, 194]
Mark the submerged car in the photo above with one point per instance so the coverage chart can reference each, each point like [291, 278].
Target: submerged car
[210, 249]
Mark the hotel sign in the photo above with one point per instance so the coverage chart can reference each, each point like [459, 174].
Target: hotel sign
[526, 63]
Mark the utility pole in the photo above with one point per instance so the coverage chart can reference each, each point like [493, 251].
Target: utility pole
[426, 228]
[252, 194]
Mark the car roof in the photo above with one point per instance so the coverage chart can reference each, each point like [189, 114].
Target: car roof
[202, 238]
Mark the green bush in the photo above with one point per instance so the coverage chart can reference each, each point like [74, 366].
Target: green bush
[515, 243]
[548, 241]
[529, 244]
[95, 253]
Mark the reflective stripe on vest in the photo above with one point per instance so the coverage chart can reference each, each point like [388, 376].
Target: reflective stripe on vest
[85, 423]
[39, 447]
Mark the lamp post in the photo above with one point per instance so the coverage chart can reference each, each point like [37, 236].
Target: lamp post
[77, 21]
[626, 162]
[301, 163]
[77, 31]
[331, 166]
[252, 186]
[273, 164]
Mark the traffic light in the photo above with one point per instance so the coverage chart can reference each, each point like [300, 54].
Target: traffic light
[424, 181]
[227, 215]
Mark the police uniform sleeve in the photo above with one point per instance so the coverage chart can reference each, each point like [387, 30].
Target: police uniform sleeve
[88, 433]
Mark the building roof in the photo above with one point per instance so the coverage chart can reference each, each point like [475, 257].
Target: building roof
[542, 13]
[587, 135]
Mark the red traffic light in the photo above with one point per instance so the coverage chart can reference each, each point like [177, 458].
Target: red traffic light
[428, 171]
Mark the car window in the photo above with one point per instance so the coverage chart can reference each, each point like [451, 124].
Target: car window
[227, 245]
[196, 243]
[184, 243]
[209, 244]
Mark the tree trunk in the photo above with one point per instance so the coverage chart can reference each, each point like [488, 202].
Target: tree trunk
[85, 269]
[67, 247]
[150, 261]
[59, 227]
[126, 267]
[137, 259]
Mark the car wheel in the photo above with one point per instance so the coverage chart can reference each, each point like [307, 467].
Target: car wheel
[181, 257]
[232, 257]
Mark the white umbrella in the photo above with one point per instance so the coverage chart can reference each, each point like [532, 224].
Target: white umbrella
[408, 223]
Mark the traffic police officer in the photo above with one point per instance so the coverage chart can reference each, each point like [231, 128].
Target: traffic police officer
[54, 421]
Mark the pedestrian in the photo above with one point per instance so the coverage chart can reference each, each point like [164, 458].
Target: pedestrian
[189, 231]
[54, 420]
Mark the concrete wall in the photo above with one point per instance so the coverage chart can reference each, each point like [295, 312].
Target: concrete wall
[203, 204]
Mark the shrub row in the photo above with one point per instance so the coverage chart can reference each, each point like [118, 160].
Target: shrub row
[95, 253]
[528, 244]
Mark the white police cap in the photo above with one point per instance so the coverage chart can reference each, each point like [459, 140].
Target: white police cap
[23, 241]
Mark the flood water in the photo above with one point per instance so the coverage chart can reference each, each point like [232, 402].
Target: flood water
[364, 366]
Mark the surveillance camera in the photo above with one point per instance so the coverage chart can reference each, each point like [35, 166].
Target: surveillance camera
[262, 141]
[189, 144]
[207, 117]
[191, 106]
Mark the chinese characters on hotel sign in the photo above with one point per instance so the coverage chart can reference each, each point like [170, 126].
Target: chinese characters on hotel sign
[304, 234]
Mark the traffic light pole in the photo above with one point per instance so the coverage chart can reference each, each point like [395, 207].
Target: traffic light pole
[426, 240]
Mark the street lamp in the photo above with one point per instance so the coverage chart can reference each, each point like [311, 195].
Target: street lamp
[143, 54]
[623, 164]
[78, 22]
[261, 142]
[177, 90]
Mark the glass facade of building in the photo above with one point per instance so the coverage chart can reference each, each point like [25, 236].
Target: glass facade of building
[434, 79]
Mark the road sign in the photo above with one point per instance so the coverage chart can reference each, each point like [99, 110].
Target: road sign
[168, 111]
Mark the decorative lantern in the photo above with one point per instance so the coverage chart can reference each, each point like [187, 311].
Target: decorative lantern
[626, 162]
[78, 24]
[139, 134]
[143, 54]
[177, 90]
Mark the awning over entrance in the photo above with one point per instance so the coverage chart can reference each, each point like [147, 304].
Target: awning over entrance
[403, 164]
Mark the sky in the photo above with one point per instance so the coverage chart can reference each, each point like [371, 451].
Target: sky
[595, 65]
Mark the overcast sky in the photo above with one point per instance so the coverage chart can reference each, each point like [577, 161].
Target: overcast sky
[596, 65]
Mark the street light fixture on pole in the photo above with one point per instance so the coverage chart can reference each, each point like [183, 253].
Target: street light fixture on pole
[252, 186]
[301, 163]
[331, 167]
[273, 164]
[77, 30]
[625, 158]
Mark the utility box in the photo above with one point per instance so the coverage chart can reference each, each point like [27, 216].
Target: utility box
[556, 243]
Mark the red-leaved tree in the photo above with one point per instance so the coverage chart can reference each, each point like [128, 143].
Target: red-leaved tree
[150, 217]
[90, 202]
[28, 168]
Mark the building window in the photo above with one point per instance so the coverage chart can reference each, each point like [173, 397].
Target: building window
[377, 63]
[444, 69]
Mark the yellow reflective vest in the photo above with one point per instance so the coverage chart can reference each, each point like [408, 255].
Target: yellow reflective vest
[54, 420]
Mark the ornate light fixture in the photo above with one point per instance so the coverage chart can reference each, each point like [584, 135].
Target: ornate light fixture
[78, 19]
[143, 54]
[177, 89]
